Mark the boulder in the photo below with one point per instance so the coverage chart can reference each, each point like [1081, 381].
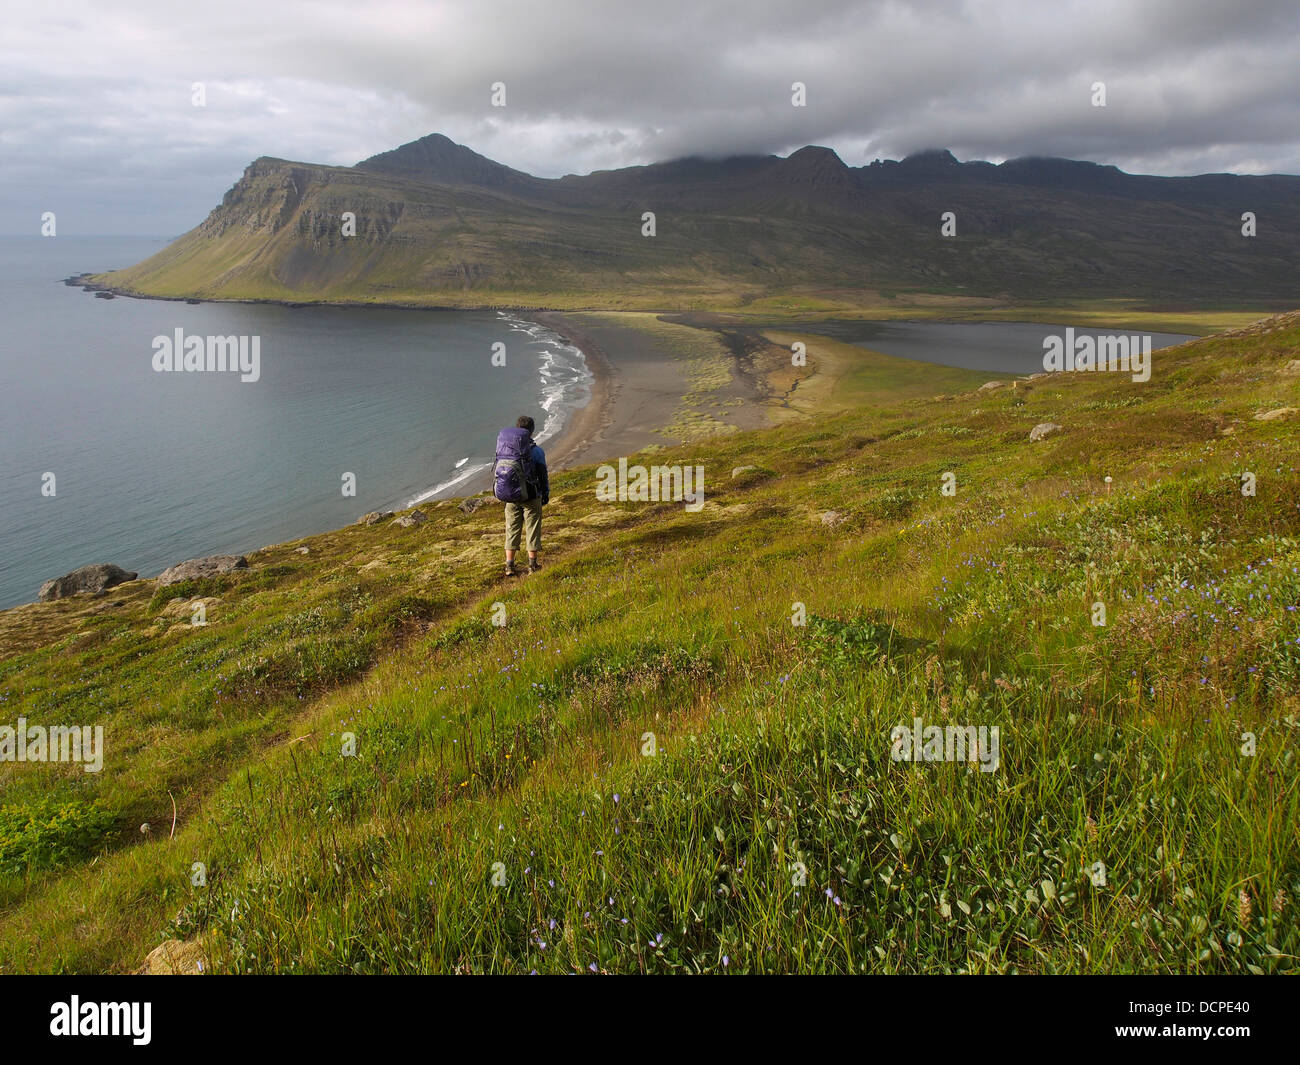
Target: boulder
[411, 520]
[740, 471]
[196, 568]
[1291, 369]
[831, 518]
[92, 579]
[1043, 429]
[303, 550]
[1277, 415]
[374, 517]
[473, 503]
[989, 386]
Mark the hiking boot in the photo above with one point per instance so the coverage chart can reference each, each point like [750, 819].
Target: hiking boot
[533, 565]
[510, 570]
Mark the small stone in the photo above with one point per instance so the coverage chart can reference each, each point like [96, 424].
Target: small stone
[174, 958]
[411, 520]
[1043, 429]
[374, 517]
[1278, 414]
[179, 608]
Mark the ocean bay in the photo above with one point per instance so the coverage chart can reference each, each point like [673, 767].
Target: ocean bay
[149, 468]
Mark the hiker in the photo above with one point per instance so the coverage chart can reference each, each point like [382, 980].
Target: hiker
[524, 486]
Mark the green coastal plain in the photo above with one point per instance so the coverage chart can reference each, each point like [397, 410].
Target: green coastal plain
[670, 750]
[674, 755]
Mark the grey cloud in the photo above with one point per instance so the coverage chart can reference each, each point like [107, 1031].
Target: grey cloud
[95, 109]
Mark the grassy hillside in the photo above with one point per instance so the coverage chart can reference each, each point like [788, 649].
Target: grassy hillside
[770, 830]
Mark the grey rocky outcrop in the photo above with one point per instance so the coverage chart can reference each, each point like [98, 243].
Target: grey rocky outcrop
[196, 568]
[92, 579]
[1042, 430]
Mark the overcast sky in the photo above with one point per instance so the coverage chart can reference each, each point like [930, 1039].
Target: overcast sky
[97, 121]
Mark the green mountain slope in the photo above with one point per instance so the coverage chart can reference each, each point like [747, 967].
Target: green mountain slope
[437, 224]
[764, 825]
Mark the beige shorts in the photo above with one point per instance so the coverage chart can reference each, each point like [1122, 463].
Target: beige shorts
[525, 517]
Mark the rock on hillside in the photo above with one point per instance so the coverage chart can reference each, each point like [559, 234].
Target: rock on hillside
[93, 579]
[411, 520]
[194, 568]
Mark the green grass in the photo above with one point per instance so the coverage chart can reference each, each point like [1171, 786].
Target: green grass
[1100, 313]
[769, 830]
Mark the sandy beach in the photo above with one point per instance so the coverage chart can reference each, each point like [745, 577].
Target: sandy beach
[635, 390]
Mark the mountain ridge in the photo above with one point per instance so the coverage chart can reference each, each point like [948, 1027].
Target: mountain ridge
[436, 223]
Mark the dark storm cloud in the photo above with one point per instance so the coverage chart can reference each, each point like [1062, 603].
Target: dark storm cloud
[96, 120]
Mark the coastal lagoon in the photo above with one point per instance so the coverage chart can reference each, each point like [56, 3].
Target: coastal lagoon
[153, 467]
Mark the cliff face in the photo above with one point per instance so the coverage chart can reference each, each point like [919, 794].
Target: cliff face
[264, 199]
[437, 223]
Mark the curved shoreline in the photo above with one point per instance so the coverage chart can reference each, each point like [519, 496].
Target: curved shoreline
[588, 424]
[582, 427]
[642, 374]
[636, 387]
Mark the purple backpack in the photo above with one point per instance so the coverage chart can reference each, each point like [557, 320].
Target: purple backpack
[515, 476]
